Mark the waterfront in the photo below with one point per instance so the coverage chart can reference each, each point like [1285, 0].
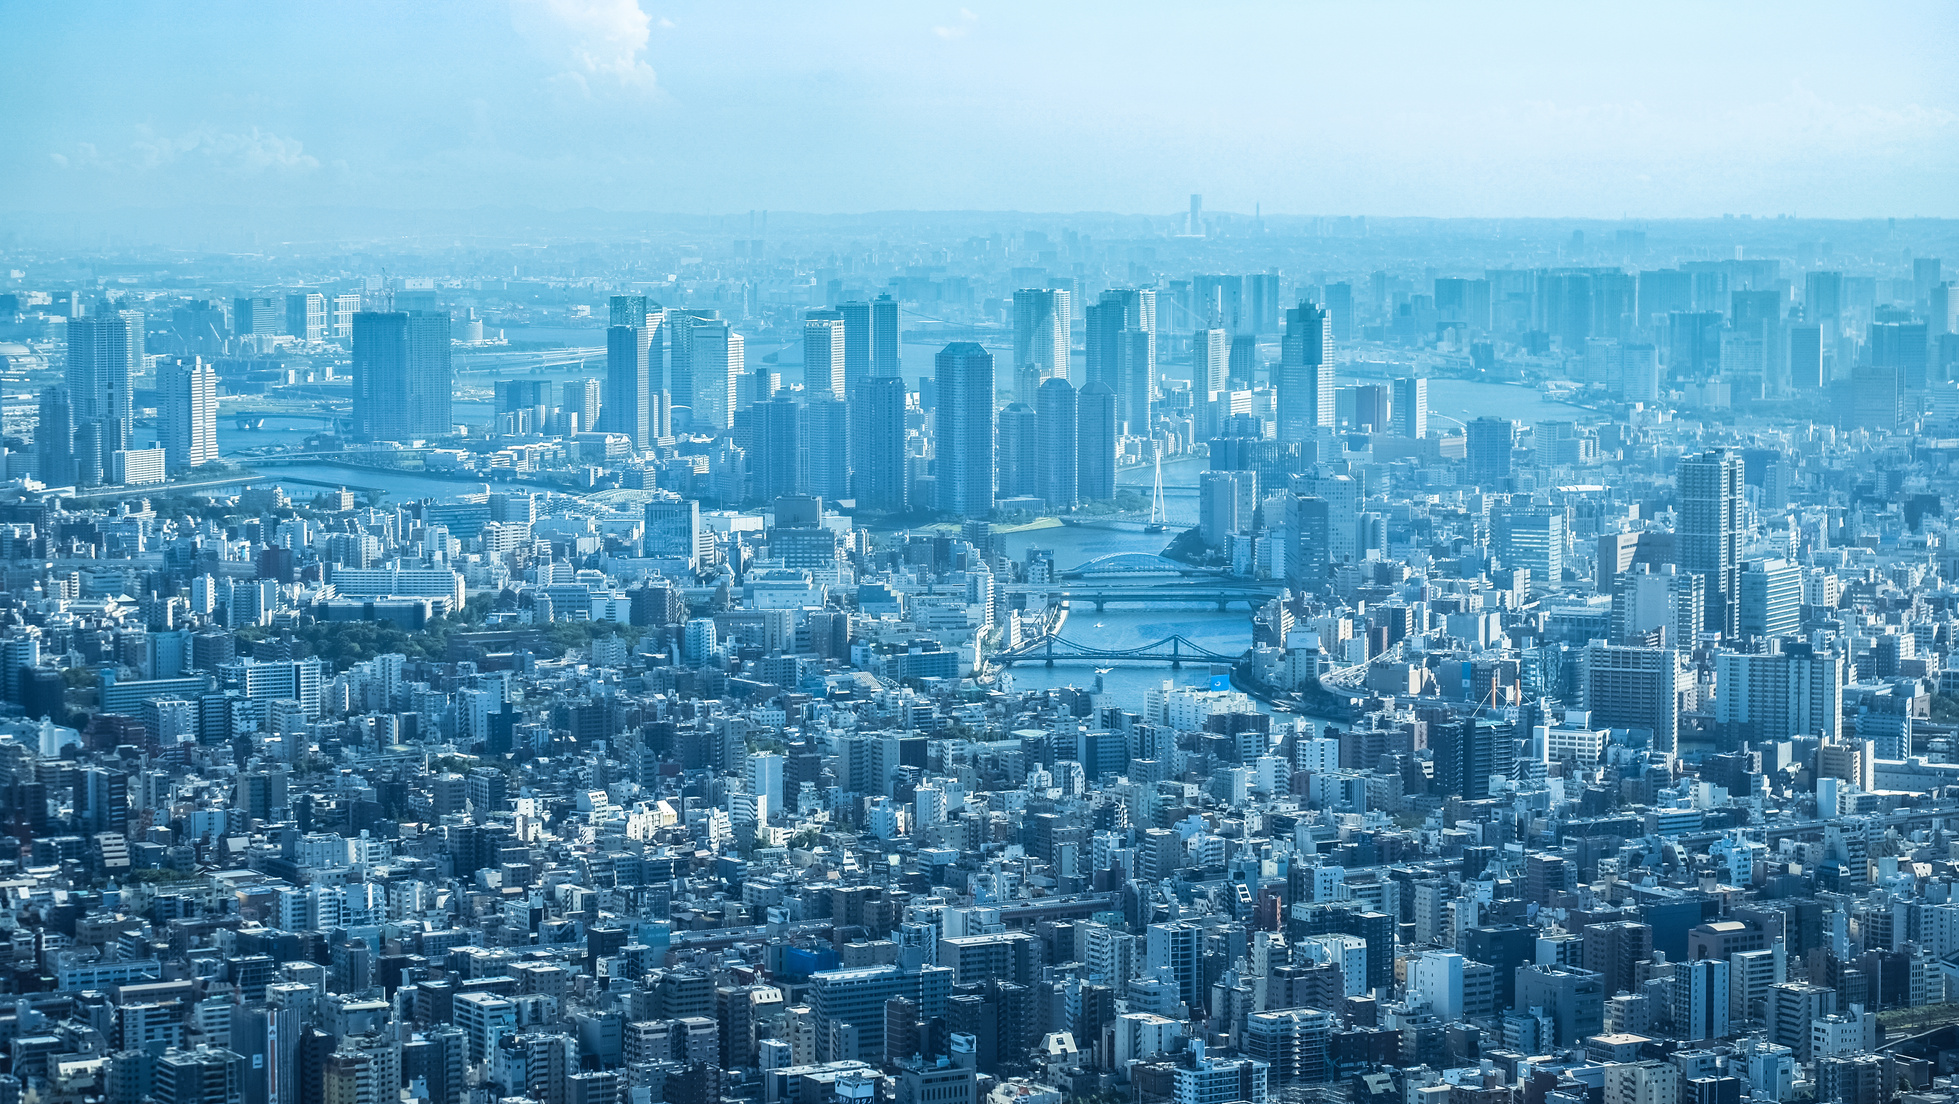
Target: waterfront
[1228, 632]
[1125, 627]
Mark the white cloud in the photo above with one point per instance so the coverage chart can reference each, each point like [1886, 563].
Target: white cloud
[593, 40]
[959, 29]
[234, 153]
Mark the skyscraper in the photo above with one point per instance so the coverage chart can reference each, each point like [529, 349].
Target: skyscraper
[1219, 302]
[402, 376]
[306, 316]
[856, 343]
[1243, 372]
[717, 357]
[187, 393]
[827, 430]
[1210, 365]
[628, 377]
[778, 456]
[963, 379]
[1262, 289]
[1096, 436]
[1709, 537]
[879, 472]
[1060, 452]
[1019, 451]
[582, 397]
[1121, 350]
[823, 356]
[681, 328]
[1903, 346]
[253, 314]
[885, 357]
[1305, 383]
[105, 355]
[54, 439]
[629, 310]
[1102, 350]
[1041, 339]
[1411, 407]
[634, 356]
[1490, 443]
[1633, 688]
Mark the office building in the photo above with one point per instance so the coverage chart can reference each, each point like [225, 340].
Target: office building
[628, 385]
[1531, 538]
[1468, 753]
[823, 355]
[1647, 1082]
[1041, 339]
[1218, 301]
[1806, 368]
[1633, 688]
[1097, 438]
[187, 398]
[774, 434]
[1262, 303]
[1709, 533]
[1121, 350]
[1657, 606]
[1222, 1080]
[1176, 948]
[1020, 452]
[880, 469]
[1060, 463]
[1410, 413]
[826, 421]
[1771, 598]
[1491, 443]
[105, 355]
[306, 316]
[54, 439]
[254, 316]
[717, 358]
[206, 1075]
[583, 398]
[1902, 347]
[1699, 991]
[1779, 695]
[1574, 1000]
[681, 326]
[870, 340]
[964, 468]
[402, 375]
[1305, 374]
[673, 530]
[267, 1038]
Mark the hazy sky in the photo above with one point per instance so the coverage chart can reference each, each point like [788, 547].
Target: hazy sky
[1359, 108]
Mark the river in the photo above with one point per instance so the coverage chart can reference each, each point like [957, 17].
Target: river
[1228, 633]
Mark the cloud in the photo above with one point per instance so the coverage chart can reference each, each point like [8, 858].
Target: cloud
[592, 40]
[959, 29]
[232, 153]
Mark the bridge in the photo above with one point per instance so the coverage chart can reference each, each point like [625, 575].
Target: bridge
[256, 419]
[1135, 564]
[341, 454]
[498, 362]
[1222, 592]
[1174, 650]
